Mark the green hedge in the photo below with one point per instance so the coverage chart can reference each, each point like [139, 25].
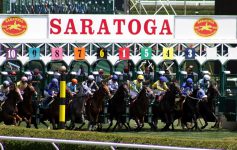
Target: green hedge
[213, 139]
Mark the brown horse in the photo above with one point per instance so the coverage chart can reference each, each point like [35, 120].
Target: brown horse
[94, 105]
[77, 109]
[165, 109]
[8, 114]
[194, 108]
[52, 113]
[25, 108]
[117, 106]
[139, 107]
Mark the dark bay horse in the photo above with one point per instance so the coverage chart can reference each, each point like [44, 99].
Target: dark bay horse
[8, 114]
[52, 112]
[194, 108]
[94, 105]
[117, 106]
[25, 108]
[165, 108]
[76, 109]
[139, 107]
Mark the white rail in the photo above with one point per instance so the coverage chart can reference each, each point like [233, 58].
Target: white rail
[177, 3]
[109, 144]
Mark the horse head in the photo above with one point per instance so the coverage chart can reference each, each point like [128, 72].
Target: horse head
[29, 90]
[174, 89]
[105, 89]
[14, 94]
[145, 93]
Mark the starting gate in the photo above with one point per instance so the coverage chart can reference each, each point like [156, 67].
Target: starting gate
[171, 48]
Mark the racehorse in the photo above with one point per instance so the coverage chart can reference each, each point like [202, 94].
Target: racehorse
[117, 106]
[25, 108]
[52, 112]
[8, 114]
[94, 105]
[165, 108]
[139, 106]
[76, 109]
[194, 108]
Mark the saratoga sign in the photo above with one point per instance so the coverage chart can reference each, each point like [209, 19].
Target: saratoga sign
[73, 28]
[107, 27]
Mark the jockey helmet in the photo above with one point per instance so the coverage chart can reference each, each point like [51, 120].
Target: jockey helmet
[6, 83]
[190, 80]
[62, 69]
[24, 79]
[36, 71]
[54, 81]
[163, 79]
[12, 73]
[74, 81]
[140, 77]
[91, 77]
[207, 77]
[114, 77]
[101, 71]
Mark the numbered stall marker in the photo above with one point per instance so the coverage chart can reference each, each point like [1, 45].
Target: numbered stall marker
[57, 53]
[79, 53]
[146, 53]
[101, 53]
[11, 53]
[189, 53]
[168, 53]
[34, 53]
[124, 53]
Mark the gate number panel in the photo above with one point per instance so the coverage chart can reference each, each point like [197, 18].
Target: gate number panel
[146, 53]
[34, 53]
[124, 53]
[79, 53]
[57, 53]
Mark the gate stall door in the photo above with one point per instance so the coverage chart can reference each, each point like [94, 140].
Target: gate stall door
[190, 68]
[228, 105]
[31, 66]
[53, 70]
[148, 68]
[79, 70]
[103, 64]
[11, 70]
[126, 68]
[168, 68]
[214, 68]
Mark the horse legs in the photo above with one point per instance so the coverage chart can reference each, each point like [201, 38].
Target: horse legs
[53, 124]
[110, 125]
[205, 125]
[29, 123]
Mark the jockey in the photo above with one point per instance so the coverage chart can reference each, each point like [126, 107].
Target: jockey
[22, 84]
[52, 89]
[126, 74]
[28, 74]
[190, 73]
[90, 85]
[100, 76]
[11, 76]
[4, 90]
[63, 70]
[160, 87]
[187, 87]
[36, 76]
[204, 83]
[72, 86]
[113, 84]
[136, 86]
